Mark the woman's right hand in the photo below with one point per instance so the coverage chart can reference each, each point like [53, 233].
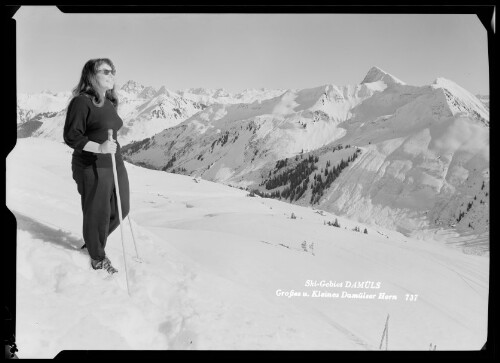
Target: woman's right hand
[108, 147]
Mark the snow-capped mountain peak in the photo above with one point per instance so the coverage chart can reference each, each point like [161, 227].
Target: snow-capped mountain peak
[164, 91]
[221, 92]
[376, 74]
[213, 93]
[148, 92]
[132, 87]
[460, 100]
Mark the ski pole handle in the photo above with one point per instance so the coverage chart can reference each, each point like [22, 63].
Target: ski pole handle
[110, 138]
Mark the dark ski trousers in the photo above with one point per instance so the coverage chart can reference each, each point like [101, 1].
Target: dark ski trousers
[99, 204]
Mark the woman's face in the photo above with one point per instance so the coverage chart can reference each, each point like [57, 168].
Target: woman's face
[105, 81]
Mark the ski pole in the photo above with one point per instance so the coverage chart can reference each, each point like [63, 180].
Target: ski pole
[133, 238]
[119, 204]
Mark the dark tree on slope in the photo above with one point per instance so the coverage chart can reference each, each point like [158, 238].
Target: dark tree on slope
[296, 179]
[133, 147]
[169, 164]
[320, 186]
[294, 176]
[334, 224]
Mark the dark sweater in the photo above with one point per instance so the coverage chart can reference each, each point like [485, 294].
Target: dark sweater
[87, 122]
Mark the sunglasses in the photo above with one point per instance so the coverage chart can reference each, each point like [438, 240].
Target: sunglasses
[107, 71]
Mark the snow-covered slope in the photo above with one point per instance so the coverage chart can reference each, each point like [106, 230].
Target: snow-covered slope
[222, 270]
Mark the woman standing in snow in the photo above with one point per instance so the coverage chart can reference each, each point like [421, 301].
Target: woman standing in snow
[90, 114]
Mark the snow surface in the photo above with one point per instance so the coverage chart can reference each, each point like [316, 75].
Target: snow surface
[214, 261]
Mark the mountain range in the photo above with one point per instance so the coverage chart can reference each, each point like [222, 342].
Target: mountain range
[144, 109]
[410, 158]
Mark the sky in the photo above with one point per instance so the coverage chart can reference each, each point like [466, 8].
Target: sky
[240, 51]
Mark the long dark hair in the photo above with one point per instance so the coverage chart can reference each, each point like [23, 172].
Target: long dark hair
[88, 83]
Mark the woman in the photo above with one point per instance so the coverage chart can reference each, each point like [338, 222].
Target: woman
[90, 114]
